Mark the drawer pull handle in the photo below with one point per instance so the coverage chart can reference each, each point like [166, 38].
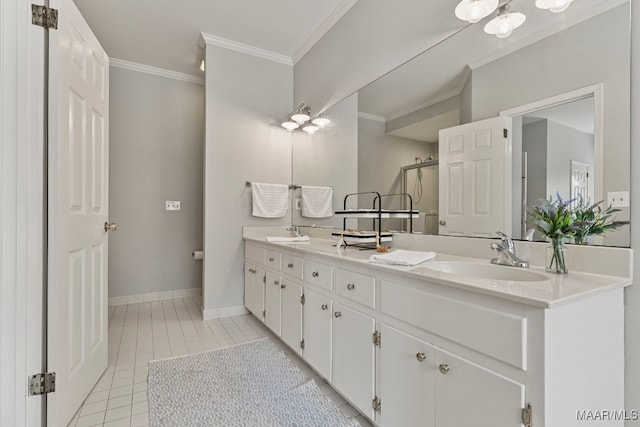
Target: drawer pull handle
[275, 282]
[324, 307]
[421, 357]
[337, 314]
[251, 270]
[444, 368]
[315, 274]
[282, 286]
[271, 259]
[351, 286]
[290, 265]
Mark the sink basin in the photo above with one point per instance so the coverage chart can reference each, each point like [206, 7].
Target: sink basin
[486, 271]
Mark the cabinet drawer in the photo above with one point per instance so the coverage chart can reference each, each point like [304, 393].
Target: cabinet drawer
[254, 253]
[292, 265]
[318, 274]
[356, 286]
[501, 335]
[273, 259]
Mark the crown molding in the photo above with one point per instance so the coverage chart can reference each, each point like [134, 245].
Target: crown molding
[373, 117]
[246, 49]
[120, 63]
[331, 20]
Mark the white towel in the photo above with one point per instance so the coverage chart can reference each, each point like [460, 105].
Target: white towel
[317, 202]
[269, 200]
[402, 257]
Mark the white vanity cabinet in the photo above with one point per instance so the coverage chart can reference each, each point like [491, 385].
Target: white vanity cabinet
[254, 283]
[318, 315]
[272, 301]
[354, 356]
[411, 348]
[291, 314]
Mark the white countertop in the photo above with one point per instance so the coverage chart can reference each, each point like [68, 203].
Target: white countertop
[559, 289]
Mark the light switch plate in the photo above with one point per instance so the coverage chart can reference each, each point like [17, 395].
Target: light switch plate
[618, 199]
[172, 205]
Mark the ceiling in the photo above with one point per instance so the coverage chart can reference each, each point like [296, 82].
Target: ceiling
[165, 34]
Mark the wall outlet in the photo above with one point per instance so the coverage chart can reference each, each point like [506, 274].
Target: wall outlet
[172, 205]
[618, 199]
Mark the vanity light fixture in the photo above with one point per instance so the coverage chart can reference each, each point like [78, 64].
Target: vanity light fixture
[474, 10]
[503, 25]
[300, 118]
[555, 6]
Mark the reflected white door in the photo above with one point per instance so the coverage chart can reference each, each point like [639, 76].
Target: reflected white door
[78, 209]
[580, 180]
[475, 178]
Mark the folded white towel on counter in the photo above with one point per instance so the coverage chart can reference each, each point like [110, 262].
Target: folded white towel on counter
[402, 257]
[269, 200]
[278, 239]
[317, 202]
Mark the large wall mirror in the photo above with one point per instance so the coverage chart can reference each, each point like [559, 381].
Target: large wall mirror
[561, 85]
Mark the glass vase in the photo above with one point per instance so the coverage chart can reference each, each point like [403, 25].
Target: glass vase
[557, 256]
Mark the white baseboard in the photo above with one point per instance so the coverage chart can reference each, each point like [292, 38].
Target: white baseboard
[215, 313]
[155, 296]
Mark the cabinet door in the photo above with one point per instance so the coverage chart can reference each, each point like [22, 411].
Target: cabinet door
[254, 289]
[291, 315]
[471, 395]
[407, 380]
[354, 356]
[318, 311]
[272, 304]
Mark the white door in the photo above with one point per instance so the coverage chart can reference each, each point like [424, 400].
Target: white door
[78, 209]
[291, 317]
[407, 380]
[318, 310]
[254, 280]
[272, 302]
[475, 178]
[580, 180]
[354, 357]
[471, 395]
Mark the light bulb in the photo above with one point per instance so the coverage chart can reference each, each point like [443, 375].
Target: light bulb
[300, 118]
[474, 10]
[321, 121]
[310, 129]
[290, 126]
[503, 25]
[504, 29]
[555, 6]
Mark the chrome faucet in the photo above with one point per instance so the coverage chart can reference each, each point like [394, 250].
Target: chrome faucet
[295, 230]
[507, 253]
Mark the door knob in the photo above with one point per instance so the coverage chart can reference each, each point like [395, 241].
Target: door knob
[110, 226]
[442, 222]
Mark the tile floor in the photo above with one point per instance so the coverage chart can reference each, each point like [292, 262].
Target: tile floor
[148, 331]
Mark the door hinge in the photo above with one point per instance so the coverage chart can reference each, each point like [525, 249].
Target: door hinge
[264, 313]
[264, 279]
[42, 383]
[44, 16]
[302, 344]
[505, 133]
[526, 416]
[376, 404]
[302, 300]
[377, 339]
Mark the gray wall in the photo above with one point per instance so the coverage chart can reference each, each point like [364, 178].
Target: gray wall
[246, 99]
[534, 143]
[329, 158]
[156, 146]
